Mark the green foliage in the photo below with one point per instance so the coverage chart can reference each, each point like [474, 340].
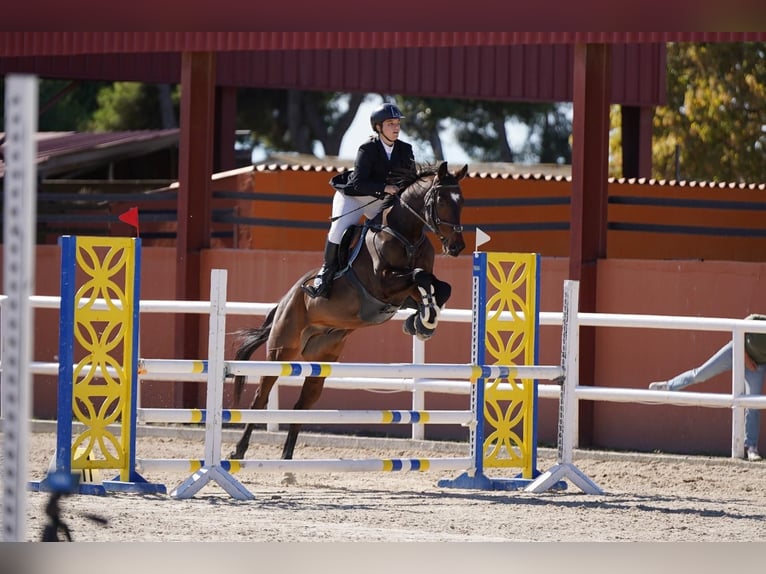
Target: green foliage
[128, 106]
[716, 113]
[72, 110]
[65, 106]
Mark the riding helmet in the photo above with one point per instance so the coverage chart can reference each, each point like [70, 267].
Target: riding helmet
[385, 112]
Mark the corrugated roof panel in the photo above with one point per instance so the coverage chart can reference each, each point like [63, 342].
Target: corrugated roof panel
[71, 43]
[59, 152]
[526, 73]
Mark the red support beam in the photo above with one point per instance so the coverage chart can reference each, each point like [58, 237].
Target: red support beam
[194, 204]
[588, 220]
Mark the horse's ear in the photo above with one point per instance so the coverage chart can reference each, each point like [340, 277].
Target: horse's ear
[461, 174]
[442, 172]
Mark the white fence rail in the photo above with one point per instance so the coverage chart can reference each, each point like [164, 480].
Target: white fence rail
[737, 400]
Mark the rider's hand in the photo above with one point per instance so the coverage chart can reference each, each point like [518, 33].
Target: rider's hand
[391, 189]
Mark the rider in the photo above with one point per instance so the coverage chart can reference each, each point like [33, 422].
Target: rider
[374, 161]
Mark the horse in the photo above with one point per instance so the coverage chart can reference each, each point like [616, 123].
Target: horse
[389, 267]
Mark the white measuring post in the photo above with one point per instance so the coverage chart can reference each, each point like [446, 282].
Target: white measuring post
[565, 467]
[19, 219]
[212, 469]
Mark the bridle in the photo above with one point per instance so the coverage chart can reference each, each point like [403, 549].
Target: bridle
[432, 220]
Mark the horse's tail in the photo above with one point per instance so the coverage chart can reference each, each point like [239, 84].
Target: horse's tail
[250, 339]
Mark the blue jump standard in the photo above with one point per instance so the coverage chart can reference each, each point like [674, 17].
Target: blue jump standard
[69, 482]
[480, 481]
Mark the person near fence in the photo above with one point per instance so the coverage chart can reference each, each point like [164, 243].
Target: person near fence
[720, 362]
[365, 189]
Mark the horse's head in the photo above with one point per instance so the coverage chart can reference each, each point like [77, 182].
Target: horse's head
[444, 203]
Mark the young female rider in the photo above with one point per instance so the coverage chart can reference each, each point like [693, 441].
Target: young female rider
[366, 189]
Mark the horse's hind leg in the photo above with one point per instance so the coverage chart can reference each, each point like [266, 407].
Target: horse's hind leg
[322, 347]
[310, 392]
[259, 402]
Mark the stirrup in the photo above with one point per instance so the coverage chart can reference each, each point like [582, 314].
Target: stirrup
[323, 290]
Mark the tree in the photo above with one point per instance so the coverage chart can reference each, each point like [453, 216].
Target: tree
[64, 106]
[716, 113]
[295, 120]
[135, 106]
[481, 128]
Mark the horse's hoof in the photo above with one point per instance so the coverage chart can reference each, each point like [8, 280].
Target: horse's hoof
[408, 327]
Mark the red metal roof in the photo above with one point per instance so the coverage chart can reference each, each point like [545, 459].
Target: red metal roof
[72, 43]
[518, 72]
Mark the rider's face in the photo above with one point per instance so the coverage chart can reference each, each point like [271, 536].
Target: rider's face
[390, 129]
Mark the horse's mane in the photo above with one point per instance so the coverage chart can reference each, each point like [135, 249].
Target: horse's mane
[403, 177]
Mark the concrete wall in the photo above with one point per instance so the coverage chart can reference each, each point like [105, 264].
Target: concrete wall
[628, 358]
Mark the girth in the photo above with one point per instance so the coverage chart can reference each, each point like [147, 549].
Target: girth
[371, 309]
[409, 247]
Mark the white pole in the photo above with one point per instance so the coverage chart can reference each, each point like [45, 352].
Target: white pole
[216, 367]
[212, 469]
[737, 389]
[19, 218]
[570, 352]
[571, 363]
[418, 395]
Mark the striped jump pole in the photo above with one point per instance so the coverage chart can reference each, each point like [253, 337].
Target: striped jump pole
[311, 465]
[464, 372]
[291, 416]
[100, 389]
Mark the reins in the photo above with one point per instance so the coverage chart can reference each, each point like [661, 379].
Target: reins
[436, 222]
[374, 199]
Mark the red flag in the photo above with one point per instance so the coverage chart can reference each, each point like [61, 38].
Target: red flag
[131, 218]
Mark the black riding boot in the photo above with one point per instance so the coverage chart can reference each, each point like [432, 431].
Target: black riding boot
[323, 281]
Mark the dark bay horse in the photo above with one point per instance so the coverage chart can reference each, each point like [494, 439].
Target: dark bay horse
[390, 268]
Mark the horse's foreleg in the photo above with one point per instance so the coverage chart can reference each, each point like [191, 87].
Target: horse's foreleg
[310, 392]
[442, 292]
[433, 294]
[239, 451]
[260, 401]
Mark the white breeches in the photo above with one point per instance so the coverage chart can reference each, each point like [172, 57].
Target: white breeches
[349, 210]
